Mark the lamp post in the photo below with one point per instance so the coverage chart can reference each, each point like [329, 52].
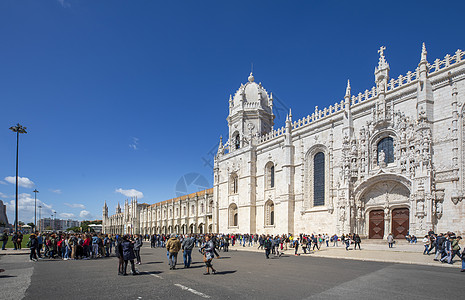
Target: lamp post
[40, 217]
[35, 208]
[55, 221]
[52, 224]
[18, 129]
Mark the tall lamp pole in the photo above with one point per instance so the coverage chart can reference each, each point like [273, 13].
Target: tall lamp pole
[35, 208]
[52, 225]
[40, 217]
[18, 129]
[55, 221]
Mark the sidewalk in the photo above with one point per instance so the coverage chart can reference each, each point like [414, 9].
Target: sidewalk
[10, 251]
[401, 253]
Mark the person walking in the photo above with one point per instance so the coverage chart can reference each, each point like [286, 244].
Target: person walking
[4, 239]
[173, 246]
[426, 244]
[187, 246]
[390, 240]
[357, 241]
[296, 246]
[208, 255]
[128, 255]
[33, 244]
[119, 254]
[137, 244]
[14, 239]
[267, 245]
[463, 261]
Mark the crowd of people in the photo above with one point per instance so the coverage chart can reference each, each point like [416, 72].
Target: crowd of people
[76, 246]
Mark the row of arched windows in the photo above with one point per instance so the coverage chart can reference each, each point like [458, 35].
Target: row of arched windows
[269, 214]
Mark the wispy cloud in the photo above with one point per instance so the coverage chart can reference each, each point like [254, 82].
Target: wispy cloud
[57, 191]
[64, 3]
[134, 143]
[3, 182]
[75, 205]
[67, 215]
[130, 193]
[2, 195]
[22, 181]
[26, 206]
[84, 214]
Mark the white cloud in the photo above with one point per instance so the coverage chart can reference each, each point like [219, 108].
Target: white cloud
[135, 143]
[130, 193]
[67, 215]
[3, 182]
[22, 181]
[26, 209]
[55, 191]
[85, 214]
[75, 205]
[64, 3]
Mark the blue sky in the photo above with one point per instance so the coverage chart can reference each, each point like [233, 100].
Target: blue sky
[129, 97]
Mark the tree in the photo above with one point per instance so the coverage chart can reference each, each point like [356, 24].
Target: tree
[32, 225]
[21, 223]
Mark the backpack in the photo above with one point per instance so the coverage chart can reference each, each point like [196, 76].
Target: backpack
[60, 242]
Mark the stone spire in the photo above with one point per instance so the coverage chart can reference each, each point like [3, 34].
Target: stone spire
[423, 52]
[348, 89]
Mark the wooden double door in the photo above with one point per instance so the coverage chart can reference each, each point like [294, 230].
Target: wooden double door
[399, 223]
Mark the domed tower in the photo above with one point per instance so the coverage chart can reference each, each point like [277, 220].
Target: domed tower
[250, 114]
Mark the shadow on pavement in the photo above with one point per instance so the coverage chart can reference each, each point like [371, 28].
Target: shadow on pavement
[152, 262]
[150, 272]
[6, 276]
[225, 272]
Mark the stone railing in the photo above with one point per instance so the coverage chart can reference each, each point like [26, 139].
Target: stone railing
[271, 135]
[446, 62]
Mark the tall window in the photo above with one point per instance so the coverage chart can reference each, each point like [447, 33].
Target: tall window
[233, 215]
[387, 146]
[184, 210]
[237, 141]
[177, 211]
[269, 175]
[233, 188]
[192, 210]
[202, 209]
[269, 213]
[319, 179]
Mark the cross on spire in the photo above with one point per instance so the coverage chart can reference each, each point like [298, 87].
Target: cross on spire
[381, 50]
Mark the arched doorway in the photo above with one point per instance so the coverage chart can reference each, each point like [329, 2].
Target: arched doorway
[382, 206]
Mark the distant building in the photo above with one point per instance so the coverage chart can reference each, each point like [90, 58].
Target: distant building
[57, 224]
[3, 217]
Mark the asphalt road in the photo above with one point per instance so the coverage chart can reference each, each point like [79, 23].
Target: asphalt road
[242, 275]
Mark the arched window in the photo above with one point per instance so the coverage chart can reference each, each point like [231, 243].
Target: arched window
[237, 141]
[184, 210]
[233, 215]
[269, 175]
[319, 179]
[269, 213]
[177, 211]
[202, 208]
[233, 184]
[192, 209]
[387, 146]
[171, 212]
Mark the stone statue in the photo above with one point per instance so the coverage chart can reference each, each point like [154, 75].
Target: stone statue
[381, 157]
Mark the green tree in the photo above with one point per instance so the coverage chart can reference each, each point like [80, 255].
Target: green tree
[32, 225]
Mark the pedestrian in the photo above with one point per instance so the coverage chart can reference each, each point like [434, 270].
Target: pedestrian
[119, 254]
[463, 261]
[347, 241]
[20, 240]
[357, 241]
[390, 240]
[173, 246]
[296, 246]
[137, 244]
[4, 239]
[33, 244]
[14, 239]
[208, 255]
[426, 243]
[267, 246]
[128, 255]
[187, 246]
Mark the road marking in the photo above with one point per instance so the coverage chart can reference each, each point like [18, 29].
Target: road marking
[155, 275]
[191, 290]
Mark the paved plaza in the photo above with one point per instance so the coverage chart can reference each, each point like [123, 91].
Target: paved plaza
[242, 275]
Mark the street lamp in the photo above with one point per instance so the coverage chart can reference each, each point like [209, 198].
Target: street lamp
[35, 208]
[40, 217]
[51, 219]
[55, 221]
[18, 129]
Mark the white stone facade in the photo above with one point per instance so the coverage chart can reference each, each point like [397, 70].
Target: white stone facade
[389, 159]
[186, 214]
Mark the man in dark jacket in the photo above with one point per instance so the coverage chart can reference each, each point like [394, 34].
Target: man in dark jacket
[128, 255]
[187, 246]
[138, 243]
[33, 245]
[267, 245]
[4, 239]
